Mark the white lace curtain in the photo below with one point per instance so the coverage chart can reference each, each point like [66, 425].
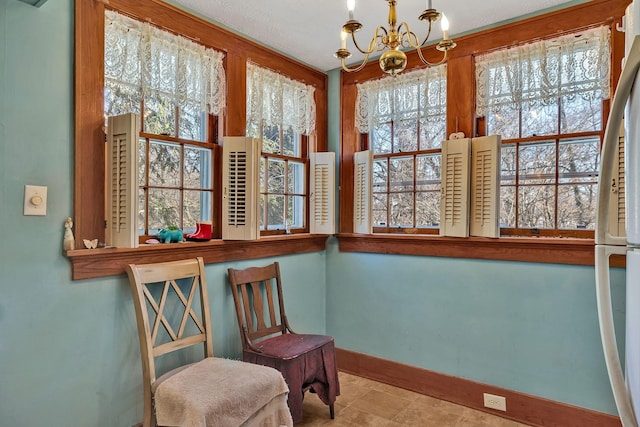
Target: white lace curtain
[422, 92]
[144, 61]
[540, 73]
[278, 100]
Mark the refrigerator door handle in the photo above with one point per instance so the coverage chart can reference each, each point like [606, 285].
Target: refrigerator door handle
[610, 142]
[608, 335]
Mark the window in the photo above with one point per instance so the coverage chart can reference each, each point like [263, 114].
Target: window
[89, 135]
[546, 101]
[404, 119]
[176, 86]
[281, 113]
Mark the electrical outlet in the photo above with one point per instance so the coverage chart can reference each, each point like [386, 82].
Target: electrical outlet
[495, 402]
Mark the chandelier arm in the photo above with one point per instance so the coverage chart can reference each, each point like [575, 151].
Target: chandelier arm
[431, 64]
[355, 69]
[427, 36]
[408, 33]
[373, 43]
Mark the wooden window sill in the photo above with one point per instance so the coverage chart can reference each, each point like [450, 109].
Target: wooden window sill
[92, 263]
[526, 249]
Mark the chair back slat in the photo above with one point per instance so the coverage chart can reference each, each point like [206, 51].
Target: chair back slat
[255, 318]
[272, 311]
[258, 307]
[172, 309]
[248, 317]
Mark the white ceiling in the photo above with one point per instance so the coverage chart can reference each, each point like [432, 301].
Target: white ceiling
[309, 31]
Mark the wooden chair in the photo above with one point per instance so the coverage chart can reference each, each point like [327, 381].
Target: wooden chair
[213, 391]
[306, 361]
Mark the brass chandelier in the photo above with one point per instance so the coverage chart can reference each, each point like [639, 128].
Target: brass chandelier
[394, 38]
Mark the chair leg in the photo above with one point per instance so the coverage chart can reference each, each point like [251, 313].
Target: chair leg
[331, 412]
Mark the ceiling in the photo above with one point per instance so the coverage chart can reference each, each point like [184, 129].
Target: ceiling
[309, 31]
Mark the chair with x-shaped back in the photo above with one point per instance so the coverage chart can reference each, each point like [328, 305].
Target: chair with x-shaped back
[306, 361]
[210, 392]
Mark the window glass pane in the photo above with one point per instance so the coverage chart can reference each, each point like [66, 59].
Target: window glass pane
[291, 143]
[539, 119]
[197, 207]
[508, 164]
[192, 123]
[142, 161]
[262, 211]
[432, 132]
[578, 160]
[164, 164]
[508, 206]
[295, 215]
[164, 209]
[381, 138]
[536, 206]
[428, 209]
[405, 136]
[581, 115]
[142, 212]
[401, 173]
[380, 175]
[428, 172]
[275, 212]
[159, 116]
[505, 123]
[197, 168]
[296, 178]
[263, 165]
[275, 183]
[380, 209]
[271, 139]
[537, 163]
[576, 206]
[401, 210]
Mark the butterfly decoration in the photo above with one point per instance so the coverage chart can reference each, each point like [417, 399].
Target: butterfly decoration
[90, 244]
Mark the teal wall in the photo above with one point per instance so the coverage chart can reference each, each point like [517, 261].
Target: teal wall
[527, 327]
[68, 349]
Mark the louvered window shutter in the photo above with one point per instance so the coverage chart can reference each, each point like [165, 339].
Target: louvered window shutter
[617, 200]
[454, 206]
[122, 181]
[240, 188]
[485, 186]
[362, 189]
[322, 200]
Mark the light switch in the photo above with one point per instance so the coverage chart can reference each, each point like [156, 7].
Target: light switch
[35, 200]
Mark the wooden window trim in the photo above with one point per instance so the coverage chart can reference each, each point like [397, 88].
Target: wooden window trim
[461, 118]
[526, 249]
[89, 171]
[92, 263]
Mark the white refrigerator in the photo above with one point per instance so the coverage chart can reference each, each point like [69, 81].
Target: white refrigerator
[625, 383]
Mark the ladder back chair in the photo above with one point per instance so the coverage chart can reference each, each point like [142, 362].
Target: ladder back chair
[172, 313]
[306, 361]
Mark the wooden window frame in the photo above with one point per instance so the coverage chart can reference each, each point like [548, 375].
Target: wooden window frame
[89, 171]
[461, 118]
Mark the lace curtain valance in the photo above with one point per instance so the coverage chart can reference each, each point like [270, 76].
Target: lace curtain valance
[540, 73]
[278, 100]
[422, 93]
[144, 61]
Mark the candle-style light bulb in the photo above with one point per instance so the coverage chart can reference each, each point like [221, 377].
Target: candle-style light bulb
[343, 39]
[445, 27]
[351, 5]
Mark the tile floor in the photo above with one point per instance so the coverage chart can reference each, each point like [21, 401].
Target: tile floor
[367, 403]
